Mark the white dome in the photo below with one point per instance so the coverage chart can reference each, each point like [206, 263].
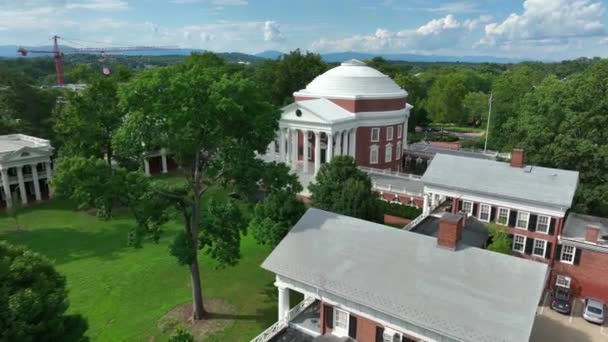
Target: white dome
[353, 79]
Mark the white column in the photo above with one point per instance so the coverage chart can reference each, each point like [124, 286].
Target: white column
[404, 143]
[21, 185]
[329, 152]
[146, 166]
[289, 147]
[317, 152]
[425, 206]
[339, 151]
[353, 143]
[36, 182]
[294, 149]
[49, 176]
[163, 158]
[282, 145]
[283, 302]
[7, 188]
[306, 156]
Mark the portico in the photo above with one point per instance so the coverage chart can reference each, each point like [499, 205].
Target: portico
[25, 168]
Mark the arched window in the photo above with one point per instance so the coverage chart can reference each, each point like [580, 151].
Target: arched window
[373, 154]
[388, 153]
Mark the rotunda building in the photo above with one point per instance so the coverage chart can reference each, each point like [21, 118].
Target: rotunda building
[351, 109]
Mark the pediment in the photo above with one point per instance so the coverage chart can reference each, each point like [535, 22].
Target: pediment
[24, 153]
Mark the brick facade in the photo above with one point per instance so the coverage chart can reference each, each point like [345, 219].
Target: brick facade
[364, 145]
[364, 105]
[416, 201]
[588, 273]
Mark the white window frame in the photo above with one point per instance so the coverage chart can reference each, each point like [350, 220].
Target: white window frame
[563, 281]
[573, 254]
[373, 149]
[538, 224]
[498, 216]
[517, 219]
[389, 137]
[523, 244]
[398, 151]
[388, 153]
[399, 131]
[337, 330]
[481, 206]
[470, 212]
[375, 132]
[544, 243]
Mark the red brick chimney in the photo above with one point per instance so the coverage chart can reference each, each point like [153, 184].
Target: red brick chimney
[450, 230]
[592, 233]
[517, 157]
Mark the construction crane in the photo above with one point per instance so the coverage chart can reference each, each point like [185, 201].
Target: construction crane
[58, 54]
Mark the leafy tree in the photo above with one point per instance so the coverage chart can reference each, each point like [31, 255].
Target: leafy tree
[86, 126]
[212, 123]
[416, 94]
[274, 217]
[444, 101]
[181, 335]
[475, 105]
[279, 79]
[501, 241]
[33, 299]
[342, 188]
[384, 66]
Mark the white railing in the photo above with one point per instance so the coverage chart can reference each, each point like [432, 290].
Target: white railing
[281, 324]
[394, 189]
[372, 170]
[422, 216]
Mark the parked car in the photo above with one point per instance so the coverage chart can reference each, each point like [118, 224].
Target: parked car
[594, 311]
[561, 300]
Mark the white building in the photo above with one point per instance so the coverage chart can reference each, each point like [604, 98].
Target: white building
[25, 168]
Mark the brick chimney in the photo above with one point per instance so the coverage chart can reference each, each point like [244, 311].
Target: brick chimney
[592, 234]
[517, 158]
[450, 230]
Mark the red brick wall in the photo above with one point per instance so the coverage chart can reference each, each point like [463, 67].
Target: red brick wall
[364, 143]
[395, 220]
[364, 105]
[406, 200]
[589, 277]
[536, 235]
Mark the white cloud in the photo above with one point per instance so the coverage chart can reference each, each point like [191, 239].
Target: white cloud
[99, 5]
[436, 26]
[544, 20]
[272, 32]
[455, 7]
[212, 2]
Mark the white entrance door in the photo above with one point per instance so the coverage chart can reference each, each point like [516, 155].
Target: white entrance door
[340, 322]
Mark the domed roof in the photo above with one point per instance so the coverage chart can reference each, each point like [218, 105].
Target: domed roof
[353, 79]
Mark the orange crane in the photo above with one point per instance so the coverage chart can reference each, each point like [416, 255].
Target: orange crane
[58, 54]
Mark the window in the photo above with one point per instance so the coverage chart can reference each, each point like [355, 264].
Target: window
[503, 216]
[522, 220]
[539, 248]
[373, 154]
[467, 207]
[567, 254]
[484, 212]
[375, 134]
[542, 224]
[563, 281]
[399, 131]
[388, 153]
[519, 243]
[398, 150]
[340, 322]
[389, 133]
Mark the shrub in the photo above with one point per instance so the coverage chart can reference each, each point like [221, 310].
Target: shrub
[396, 209]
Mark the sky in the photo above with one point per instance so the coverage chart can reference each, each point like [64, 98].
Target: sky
[532, 29]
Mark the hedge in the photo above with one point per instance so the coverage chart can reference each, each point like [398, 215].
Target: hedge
[405, 211]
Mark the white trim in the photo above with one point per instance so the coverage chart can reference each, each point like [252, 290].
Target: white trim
[388, 152]
[565, 281]
[468, 212]
[338, 331]
[481, 206]
[517, 219]
[561, 256]
[371, 136]
[523, 244]
[372, 149]
[391, 136]
[383, 96]
[399, 131]
[498, 216]
[544, 242]
[548, 223]
[398, 150]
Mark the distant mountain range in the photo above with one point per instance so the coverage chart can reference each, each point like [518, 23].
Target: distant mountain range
[11, 51]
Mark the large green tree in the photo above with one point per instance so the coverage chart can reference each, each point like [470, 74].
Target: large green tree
[416, 94]
[34, 299]
[342, 188]
[444, 101]
[476, 105]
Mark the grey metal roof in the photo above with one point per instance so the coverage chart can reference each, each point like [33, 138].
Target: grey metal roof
[459, 294]
[475, 232]
[576, 225]
[553, 187]
[426, 149]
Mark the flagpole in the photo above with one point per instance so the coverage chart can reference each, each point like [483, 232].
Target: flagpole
[485, 146]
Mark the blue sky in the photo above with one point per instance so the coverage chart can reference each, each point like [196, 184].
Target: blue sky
[543, 29]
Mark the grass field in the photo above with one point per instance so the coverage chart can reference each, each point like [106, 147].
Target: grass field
[458, 128]
[124, 291]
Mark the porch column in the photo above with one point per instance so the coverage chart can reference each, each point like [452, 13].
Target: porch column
[317, 151]
[339, 144]
[294, 150]
[146, 166]
[36, 183]
[306, 146]
[289, 147]
[282, 145]
[432, 200]
[7, 188]
[353, 143]
[283, 302]
[425, 206]
[329, 151]
[163, 158]
[21, 185]
[404, 144]
[49, 176]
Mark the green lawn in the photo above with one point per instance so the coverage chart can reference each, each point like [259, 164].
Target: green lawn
[124, 291]
[458, 128]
